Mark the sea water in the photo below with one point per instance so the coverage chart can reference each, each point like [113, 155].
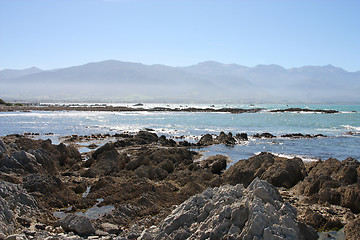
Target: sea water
[342, 129]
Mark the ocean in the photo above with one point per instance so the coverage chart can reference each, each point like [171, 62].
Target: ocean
[342, 129]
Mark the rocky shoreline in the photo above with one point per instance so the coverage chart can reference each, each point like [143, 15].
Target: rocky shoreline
[144, 186]
[139, 108]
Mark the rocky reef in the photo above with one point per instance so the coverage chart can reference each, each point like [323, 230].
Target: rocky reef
[144, 186]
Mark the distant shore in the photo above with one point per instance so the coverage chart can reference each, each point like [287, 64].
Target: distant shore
[25, 108]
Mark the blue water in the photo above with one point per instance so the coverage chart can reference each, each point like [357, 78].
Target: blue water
[338, 144]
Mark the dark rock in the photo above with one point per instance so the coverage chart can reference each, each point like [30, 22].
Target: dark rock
[44, 158]
[24, 221]
[80, 188]
[334, 182]
[135, 163]
[278, 171]
[109, 161]
[92, 146]
[314, 219]
[40, 226]
[241, 136]
[225, 139]
[78, 224]
[167, 165]
[166, 142]
[352, 229]
[2, 147]
[293, 135]
[304, 110]
[144, 137]
[350, 197]
[8, 164]
[28, 161]
[285, 173]
[42, 183]
[217, 163]
[206, 140]
[264, 135]
[104, 148]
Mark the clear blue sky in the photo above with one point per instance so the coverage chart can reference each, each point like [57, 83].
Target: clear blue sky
[291, 33]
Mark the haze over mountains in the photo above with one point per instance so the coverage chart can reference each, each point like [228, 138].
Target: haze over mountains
[207, 82]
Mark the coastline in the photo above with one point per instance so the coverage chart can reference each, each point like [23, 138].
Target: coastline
[25, 108]
[173, 181]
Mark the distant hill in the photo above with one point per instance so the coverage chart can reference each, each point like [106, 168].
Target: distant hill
[204, 82]
[9, 73]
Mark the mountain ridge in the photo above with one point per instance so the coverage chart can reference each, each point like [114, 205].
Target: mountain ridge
[208, 81]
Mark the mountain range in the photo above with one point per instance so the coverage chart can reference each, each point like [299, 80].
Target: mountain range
[207, 82]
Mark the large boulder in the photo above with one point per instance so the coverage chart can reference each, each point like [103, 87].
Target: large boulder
[224, 138]
[280, 172]
[206, 140]
[78, 224]
[233, 212]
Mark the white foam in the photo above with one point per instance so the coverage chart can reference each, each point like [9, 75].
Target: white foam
[284, 155]
[352, 128]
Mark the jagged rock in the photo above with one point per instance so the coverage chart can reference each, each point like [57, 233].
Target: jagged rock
[28, 161]
[78, 224]
[206, 140]
[17, 207]
[233, 212]
[241, 137]
[278, 171]
[9, 164]
[334, 182]
[227, 139]
[44, 158]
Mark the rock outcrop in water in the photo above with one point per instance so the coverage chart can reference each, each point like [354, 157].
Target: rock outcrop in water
[233, 212]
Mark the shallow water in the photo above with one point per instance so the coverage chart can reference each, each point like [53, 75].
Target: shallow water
[339, 144]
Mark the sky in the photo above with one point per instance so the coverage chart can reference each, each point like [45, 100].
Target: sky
[292, 33]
